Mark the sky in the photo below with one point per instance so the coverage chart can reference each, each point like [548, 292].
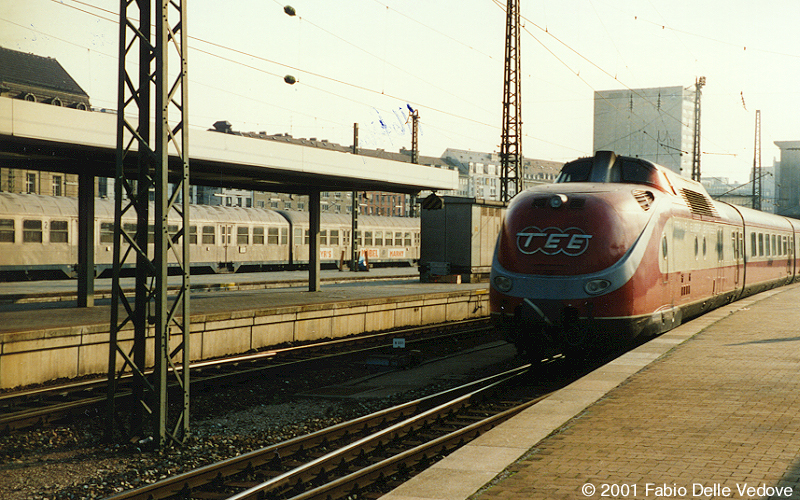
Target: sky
[367, 61]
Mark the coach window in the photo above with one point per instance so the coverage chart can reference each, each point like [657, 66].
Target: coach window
[368, 238]
[407, 238]
[704, 247]
[242, 235]
[193, 235]
[284, 235]
[378, 238]
[7, 230]
[760, 244]
[398, 239]
[753, 252]
[416, 239]
[334, 239]
[32, 231]
[258, 235]
[696, 248]
[775, 249]
[664, 247]
[323, 237]
[58, 231]
[106, 232]
[272, 236]
[766, 246]
[209, 235]
[298, 236]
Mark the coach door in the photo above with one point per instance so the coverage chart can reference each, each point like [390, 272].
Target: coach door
[738, 257]
[226, 241]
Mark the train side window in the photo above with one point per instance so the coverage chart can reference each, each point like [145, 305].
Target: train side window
[766, 246]
[298, 236]
[31, 231]
[664, 247]
[209, 235]
[775, 249]
[284, 235]
[273, 235]
[242, 235]
[7, 231]
[416, 239]
[378, 238]
[106, 232]
[734, 245]
[193, 235]
[334, 237]
[785, 246]
[59, 232]
[705, 248]
[323, 237]
[407, 238]
[307, 237]
[696, 248]
[760, 244]
[753, 252]
[398, 239]
[258, 235]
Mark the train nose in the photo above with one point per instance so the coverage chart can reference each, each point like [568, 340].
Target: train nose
[562, 234]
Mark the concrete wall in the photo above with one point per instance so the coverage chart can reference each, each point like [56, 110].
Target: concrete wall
[41, 356]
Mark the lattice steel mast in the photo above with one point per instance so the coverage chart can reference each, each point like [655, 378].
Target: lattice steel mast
[757, 164]
[143, 166]
[698, 85]
[511, 142]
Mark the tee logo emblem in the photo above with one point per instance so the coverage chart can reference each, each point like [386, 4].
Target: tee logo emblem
[553, 241]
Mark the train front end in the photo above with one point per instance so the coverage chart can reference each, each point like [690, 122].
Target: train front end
[570, 267]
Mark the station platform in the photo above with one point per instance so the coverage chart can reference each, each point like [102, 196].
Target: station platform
[45, 341]
[707, 410]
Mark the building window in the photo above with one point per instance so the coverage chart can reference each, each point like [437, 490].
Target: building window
[32, 231]
[30, 183]
[59, 231]
[58, 185]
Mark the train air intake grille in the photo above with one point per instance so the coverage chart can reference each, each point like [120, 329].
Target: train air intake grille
[698, 203]
[645, 198]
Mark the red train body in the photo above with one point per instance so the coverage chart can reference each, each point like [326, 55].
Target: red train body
[619, 247]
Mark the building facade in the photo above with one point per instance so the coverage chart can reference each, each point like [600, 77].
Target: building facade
[788, 179]
[44, 80]
[656, 124]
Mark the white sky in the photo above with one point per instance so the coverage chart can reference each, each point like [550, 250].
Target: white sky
[365, 60]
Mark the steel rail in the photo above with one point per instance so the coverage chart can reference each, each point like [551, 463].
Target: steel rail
[391, 422]
[52, 411]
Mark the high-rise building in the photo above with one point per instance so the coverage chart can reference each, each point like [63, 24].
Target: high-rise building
[655, 124]
[788, 179]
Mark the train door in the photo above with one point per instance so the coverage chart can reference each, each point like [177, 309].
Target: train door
[226, 240]
[737, 238]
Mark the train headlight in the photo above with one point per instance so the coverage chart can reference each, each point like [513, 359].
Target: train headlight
[503, 283]
[557, 200]
[596, 287]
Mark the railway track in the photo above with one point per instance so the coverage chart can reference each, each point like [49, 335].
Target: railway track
[45, 405]
[359, 456]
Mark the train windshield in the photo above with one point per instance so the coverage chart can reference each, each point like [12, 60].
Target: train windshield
[625, 170]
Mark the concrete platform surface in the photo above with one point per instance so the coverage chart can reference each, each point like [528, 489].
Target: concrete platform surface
[708, 410]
